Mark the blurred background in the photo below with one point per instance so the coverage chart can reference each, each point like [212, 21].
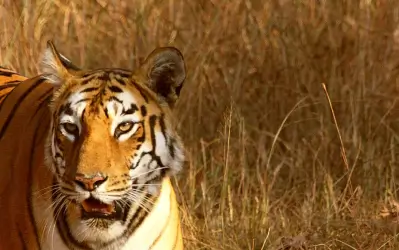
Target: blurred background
[268, 166]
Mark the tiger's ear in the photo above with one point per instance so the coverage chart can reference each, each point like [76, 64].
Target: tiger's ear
[165, 71]
[55, 66]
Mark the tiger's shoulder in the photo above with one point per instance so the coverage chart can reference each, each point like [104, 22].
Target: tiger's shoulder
[9, 79]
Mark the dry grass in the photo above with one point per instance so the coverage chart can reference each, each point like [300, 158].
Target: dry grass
[265, 168]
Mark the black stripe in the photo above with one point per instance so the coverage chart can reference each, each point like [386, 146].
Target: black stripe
[163, 127]
[120, 80]
[141, 91]
[88, 90]
[122, 72]
[171, 147]
[83, 100]
[136, 220]
[15, 107]
[126, 211]
[7, 86]
[113, 98]
[6, 73]
[115, 89]
[21, 239]
[133, 223]
[133, 108]
[138, 162]
[66, 108]
[119, 189]
[155, 157]
[163, 169]
[143, 110]
[88, 79]
[83, 115]
[142, 137]
[152, 121]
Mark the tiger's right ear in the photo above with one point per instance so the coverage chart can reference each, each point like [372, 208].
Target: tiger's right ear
[56, 67]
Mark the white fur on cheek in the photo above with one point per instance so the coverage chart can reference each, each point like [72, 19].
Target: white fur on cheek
[141, 171]
[161, 148]
[135, 159]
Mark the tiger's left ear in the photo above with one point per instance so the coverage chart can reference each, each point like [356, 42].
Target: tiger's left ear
[165, 71]
[55, 66]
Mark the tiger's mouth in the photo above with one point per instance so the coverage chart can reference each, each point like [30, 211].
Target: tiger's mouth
[95, 209]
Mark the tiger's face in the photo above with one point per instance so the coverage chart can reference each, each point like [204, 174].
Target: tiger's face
[111, 141]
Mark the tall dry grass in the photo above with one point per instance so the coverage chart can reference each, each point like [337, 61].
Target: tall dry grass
[265, 168]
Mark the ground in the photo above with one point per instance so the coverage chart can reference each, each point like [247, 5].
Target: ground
[274, 159]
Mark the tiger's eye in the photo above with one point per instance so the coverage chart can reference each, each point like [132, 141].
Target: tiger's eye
[70, 128]
[125, 127]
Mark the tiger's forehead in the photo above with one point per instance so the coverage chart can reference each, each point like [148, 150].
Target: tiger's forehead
[110, 90]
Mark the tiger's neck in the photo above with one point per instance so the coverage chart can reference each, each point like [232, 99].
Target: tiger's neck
[161, 229]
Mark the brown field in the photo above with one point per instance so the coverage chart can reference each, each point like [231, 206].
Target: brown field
[267, 165]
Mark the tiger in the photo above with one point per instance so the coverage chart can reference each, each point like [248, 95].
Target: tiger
[87, 156]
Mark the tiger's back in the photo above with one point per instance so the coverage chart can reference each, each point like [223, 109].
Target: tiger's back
[58, 188]
[8, 80]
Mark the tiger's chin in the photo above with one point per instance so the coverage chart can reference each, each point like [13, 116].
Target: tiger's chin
[95, 221]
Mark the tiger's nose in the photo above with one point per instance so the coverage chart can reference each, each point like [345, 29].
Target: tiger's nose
[89, 183]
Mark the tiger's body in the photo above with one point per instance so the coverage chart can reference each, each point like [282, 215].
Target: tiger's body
[8, 80]
[86, 156]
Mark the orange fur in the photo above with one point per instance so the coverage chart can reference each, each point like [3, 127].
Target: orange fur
[8, 79]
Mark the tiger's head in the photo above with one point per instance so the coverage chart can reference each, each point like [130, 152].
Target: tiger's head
[111, 140]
